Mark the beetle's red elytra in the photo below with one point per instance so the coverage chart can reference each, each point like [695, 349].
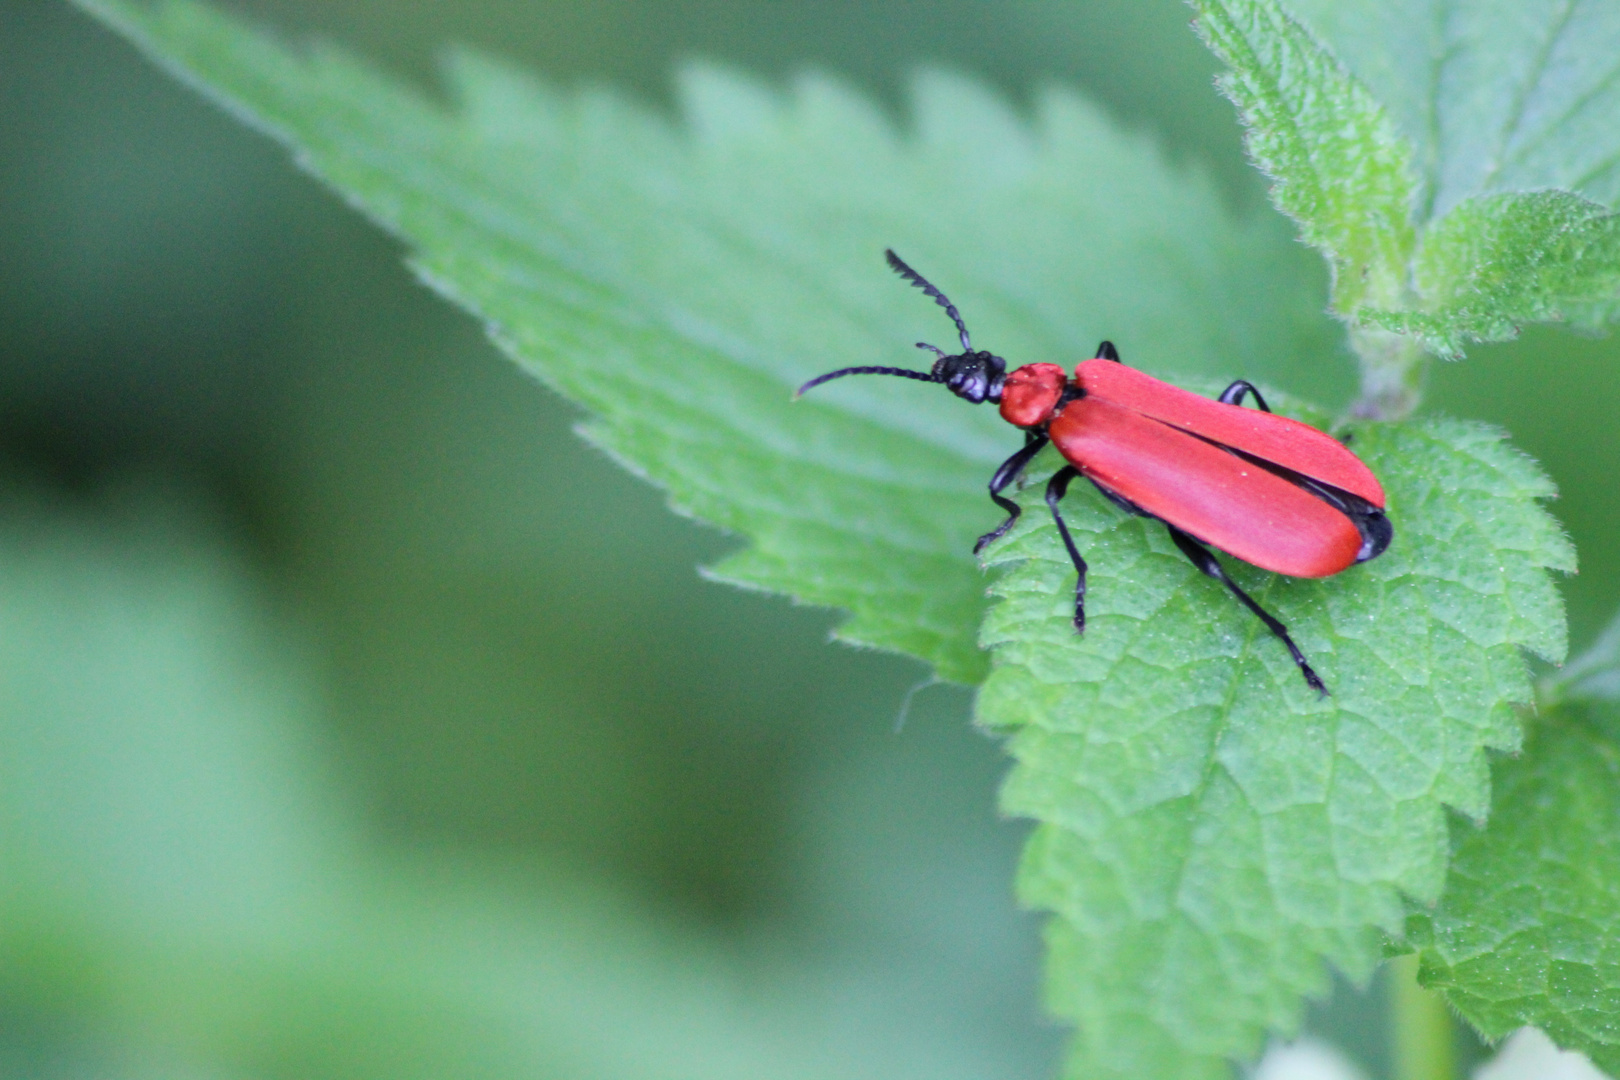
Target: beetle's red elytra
[1263, 488]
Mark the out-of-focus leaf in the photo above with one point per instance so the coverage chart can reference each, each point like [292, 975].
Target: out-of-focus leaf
[1211, 830]
[679, 282]
[180, 894]
[1594, 675]
[1493, 97]
[1528, 1054]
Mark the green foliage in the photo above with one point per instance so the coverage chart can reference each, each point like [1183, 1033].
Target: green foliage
[1339, 169]
[180, 894]
[1209, 828]
[1526, 931]
[1511, 163]
[1211, 831]
[1492, 97]
[1496, 262]
[1593, 676]
[1455, 162]
[679, 284]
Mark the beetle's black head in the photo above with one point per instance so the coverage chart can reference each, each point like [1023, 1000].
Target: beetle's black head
[972, 374]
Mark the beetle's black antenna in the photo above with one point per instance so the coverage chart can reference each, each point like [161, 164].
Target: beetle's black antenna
[906, 373]
[900, 267]
[972, 376]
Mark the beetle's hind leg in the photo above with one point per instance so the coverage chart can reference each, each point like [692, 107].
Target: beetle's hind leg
[1055, 490]
[1009, 471]
[1205, 560]
[1234, 394]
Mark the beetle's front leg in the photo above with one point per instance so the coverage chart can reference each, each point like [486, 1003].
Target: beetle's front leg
[1055, 490]
[998, 483]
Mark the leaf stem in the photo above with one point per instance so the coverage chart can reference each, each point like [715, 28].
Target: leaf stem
[1393, 367]
[1421, 1023]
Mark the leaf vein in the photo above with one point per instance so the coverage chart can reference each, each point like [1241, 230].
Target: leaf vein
[1522, 93]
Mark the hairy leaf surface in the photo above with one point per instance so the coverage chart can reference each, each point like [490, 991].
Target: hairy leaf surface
[1529, 929]
[1338, 166]
[1455, 162]
[1210, 830]
[1498, 262]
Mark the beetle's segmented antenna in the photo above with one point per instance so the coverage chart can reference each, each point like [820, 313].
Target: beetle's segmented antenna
[905, 373]
[899, 266]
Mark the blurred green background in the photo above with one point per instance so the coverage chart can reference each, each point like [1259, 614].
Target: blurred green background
[358, 720]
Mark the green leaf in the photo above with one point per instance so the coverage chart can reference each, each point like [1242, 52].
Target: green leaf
[1210, 830]
[1502, 96]
[1497, 262]
[679, 282]
[1528, 931]
[1593, 676]
[181, 894]
[1338, 167]
[1455, 162]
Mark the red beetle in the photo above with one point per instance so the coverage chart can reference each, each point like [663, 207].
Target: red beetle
[1271, 491]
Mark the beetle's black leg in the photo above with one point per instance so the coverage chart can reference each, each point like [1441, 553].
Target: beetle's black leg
[1205, 560]
[1005, 475]
[1106, 351]
[1233, 395]
[1055, 489]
